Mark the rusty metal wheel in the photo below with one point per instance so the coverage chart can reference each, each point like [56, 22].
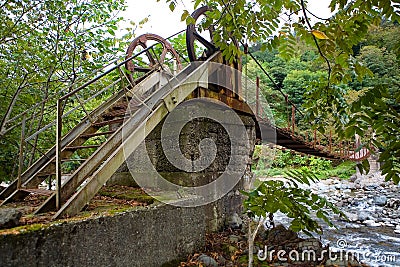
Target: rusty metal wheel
[142, 41]
[192, 35]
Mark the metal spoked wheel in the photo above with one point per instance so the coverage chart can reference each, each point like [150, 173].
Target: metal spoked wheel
[192, 35]
[152, 62]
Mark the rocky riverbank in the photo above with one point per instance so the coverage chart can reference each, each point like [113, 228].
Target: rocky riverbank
[373, 209]
[371, 237]
[367, 200]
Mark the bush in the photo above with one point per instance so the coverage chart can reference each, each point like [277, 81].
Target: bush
[288, 160]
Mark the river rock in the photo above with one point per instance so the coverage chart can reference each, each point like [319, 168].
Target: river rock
[395, 214]
[279, 235]
[370, 187]
[380, 200]
[371, 223]
[351, 216]
[323, 188]
[235, 222]
[342, 187]
[393, 203]
[353, 178]
[207, 261]
[363, 216]
[9, 218]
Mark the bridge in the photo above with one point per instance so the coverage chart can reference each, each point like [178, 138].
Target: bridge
[142, 96]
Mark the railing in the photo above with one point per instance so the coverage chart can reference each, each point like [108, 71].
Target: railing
[75, 93]
[352, 150]
[71, 101]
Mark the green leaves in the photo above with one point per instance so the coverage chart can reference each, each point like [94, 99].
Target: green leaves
[172, 6]
[299, 204]
[44, 47]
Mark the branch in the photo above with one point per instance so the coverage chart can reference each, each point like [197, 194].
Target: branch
[315, 16]
[11, 106]
[316, 43]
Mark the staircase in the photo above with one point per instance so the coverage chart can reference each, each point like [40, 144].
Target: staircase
[123, 120]
[105, 121]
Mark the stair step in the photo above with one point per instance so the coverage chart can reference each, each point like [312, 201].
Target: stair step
[96, 134]
[37, 191]
[81, 147]
[114, 113]
[103, 123]
[118, 113]
[69, 160]
[45, 174]
[120, 105]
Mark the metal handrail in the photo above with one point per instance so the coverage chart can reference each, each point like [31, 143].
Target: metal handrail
[105, 73]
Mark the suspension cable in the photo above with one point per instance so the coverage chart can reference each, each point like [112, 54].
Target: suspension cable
[275, 85]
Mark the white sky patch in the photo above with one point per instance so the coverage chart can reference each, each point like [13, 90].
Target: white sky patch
[165, 23]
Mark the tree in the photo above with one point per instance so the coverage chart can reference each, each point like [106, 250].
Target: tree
[282, 24]
[44, 47]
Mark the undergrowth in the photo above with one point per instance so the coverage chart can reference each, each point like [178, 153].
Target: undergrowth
[280, 162]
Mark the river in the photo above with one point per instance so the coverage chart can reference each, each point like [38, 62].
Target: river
[373, 208]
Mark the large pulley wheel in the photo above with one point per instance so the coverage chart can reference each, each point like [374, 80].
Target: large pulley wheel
[152, 62]
[192, 35]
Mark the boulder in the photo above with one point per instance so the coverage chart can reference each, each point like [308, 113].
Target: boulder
[363, 216]
[371, 223]
[279, 235]
[380, 200]
[393, 203]
[351, 216]
[234, 221]
[9, 218]
[207, 261]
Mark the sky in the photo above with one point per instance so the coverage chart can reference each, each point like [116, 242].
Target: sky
[165, 23]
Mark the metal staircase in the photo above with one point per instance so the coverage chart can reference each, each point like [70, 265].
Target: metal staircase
[103, 121]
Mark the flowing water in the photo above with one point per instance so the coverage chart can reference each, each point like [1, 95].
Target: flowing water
[371, 235]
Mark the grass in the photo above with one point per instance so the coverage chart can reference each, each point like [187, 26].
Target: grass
[135, 194]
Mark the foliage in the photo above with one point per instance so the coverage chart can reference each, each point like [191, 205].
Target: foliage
[46, 48]
[297, 81]
[285, 161]
[383, 118]
[299, 204]
[286, 26]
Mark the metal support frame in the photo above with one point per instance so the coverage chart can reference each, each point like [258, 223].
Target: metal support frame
[58, 153]
[293, 118]
[21, 152]
[258, 96]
